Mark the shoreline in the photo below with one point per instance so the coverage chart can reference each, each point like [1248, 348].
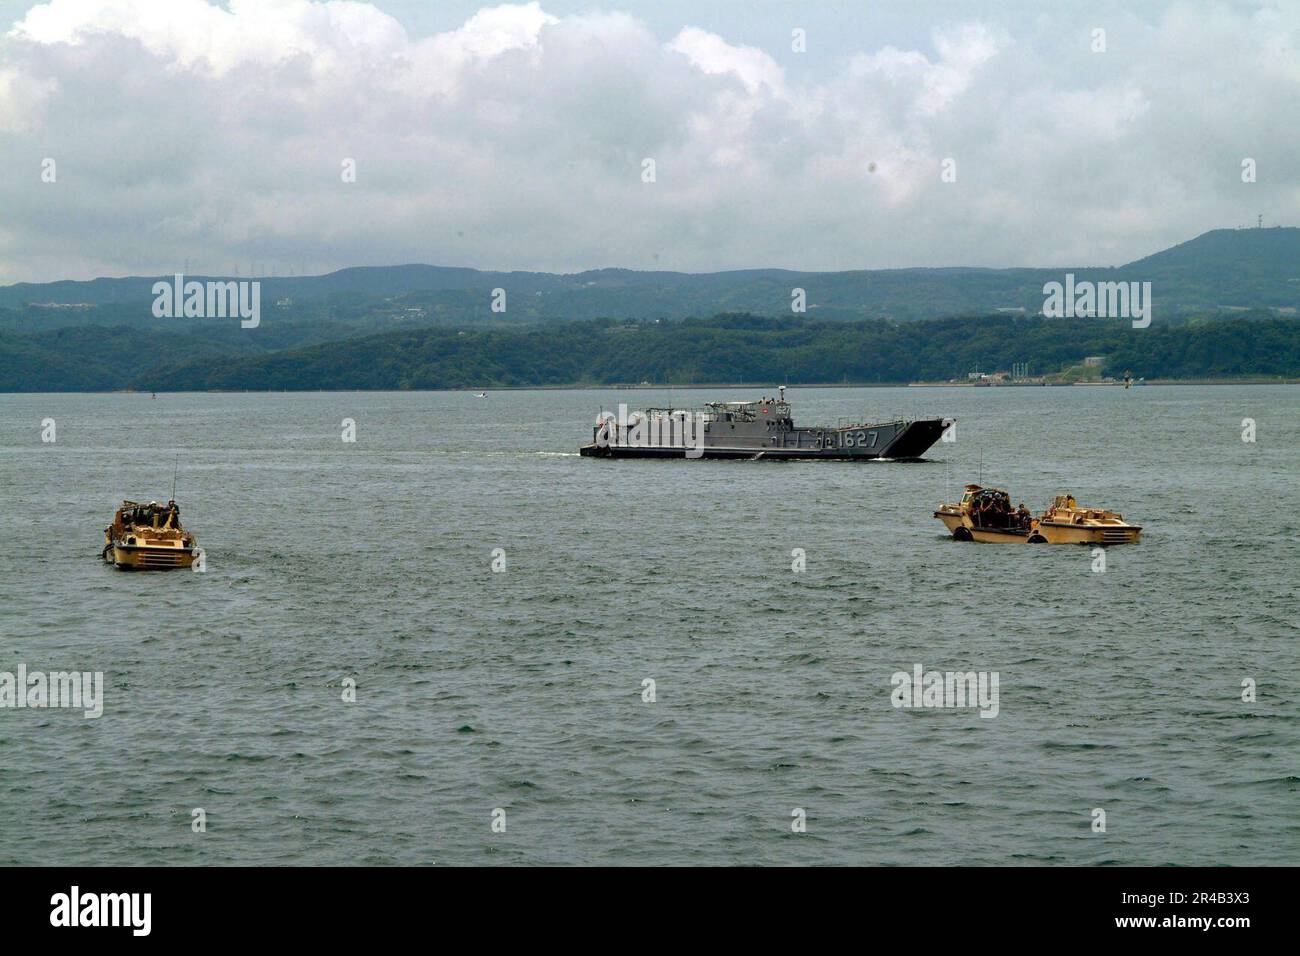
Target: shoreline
[710, 386]
[1120, 384]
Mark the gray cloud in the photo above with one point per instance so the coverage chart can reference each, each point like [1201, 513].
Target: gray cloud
[183, 130]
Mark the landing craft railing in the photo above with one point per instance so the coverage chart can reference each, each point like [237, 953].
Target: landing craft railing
[708, 413]
[656, 427]
[723, 411]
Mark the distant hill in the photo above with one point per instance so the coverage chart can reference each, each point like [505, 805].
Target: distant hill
[1240, 268]
[333, 331]
[1247, 268]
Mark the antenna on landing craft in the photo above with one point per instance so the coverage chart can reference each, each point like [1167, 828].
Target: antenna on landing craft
[175, 469]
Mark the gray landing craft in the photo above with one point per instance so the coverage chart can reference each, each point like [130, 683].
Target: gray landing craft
[757, 430]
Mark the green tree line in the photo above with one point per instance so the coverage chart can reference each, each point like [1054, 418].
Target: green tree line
[749, 348]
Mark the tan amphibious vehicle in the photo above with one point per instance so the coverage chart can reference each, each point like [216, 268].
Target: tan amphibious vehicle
[986, 514]
[149, 538]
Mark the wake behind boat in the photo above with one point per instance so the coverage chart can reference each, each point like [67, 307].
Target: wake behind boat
[763, 429]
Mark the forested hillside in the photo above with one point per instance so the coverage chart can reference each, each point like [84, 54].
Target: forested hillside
[747, 348]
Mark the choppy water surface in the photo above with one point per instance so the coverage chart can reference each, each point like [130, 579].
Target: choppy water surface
[523, 690]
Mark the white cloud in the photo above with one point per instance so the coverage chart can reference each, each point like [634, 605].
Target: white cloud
[935, 85]
[23, 98]
[196, 34]
[184, 129]
[712, 54]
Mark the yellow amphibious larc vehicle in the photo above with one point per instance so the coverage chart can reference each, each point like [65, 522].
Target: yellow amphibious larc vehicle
[986, 514]
[149, 538]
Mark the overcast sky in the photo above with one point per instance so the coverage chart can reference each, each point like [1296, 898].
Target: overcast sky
[213, 136]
